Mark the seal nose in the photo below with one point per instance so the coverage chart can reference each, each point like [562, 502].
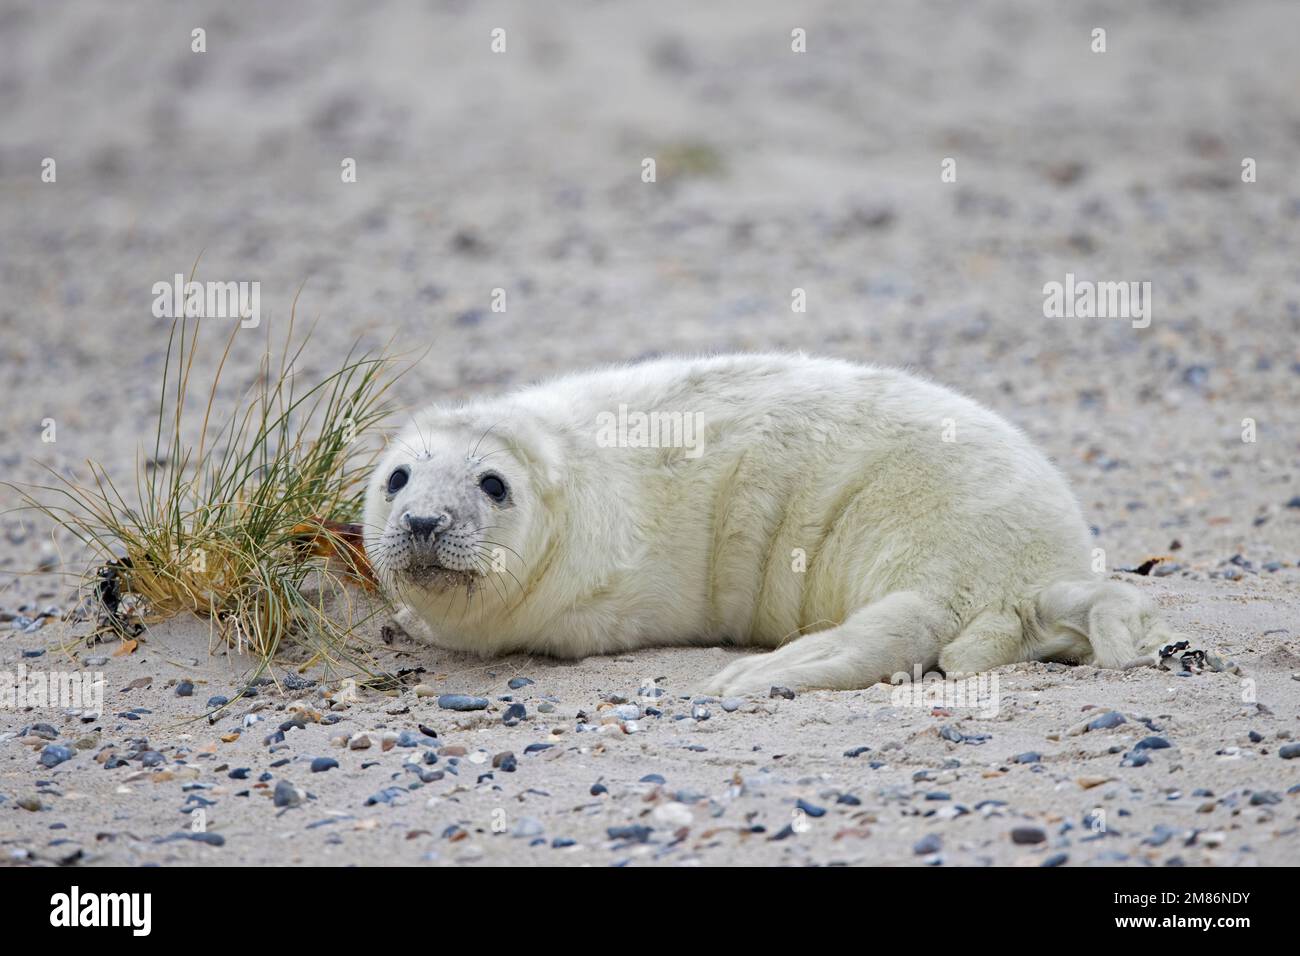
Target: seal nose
[425, 527]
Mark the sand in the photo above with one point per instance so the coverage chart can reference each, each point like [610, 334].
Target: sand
[819, 171]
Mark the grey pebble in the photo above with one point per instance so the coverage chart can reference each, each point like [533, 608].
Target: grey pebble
[321, 764]
[54, 754]
[1107, 721]
[287, 795]
[1028, 835]
[930, 843]
[462, 702]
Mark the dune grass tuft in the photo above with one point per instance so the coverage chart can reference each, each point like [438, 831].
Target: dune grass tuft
[248, 521]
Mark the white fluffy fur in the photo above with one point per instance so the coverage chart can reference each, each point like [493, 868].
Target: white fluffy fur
[968, 554]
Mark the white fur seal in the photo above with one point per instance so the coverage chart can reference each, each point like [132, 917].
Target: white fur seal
[857, 521]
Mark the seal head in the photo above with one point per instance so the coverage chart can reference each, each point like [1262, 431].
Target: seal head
[450, 513]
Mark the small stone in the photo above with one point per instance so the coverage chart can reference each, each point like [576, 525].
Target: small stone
[30, 803]
[424, 690]
[516, 683]
[321, 764]
[287, 795]
[1027, 757]
[462, 702]
[733, 704]
[1107, 721]
[673, 815]
[527, 827]
[54, 754]
[1135, 759]
[360, 742]
[811, 809]
[1056, 859]
[185, 689]
[930, 843]
[633, 833]
[505, 762]
[784, 692]
[218, 701]
[514, 714]
[1152, 743]
[1289, 751]
[1028, 835]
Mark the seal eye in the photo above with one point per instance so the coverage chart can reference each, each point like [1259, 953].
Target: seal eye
[397, 480]
[493, 487]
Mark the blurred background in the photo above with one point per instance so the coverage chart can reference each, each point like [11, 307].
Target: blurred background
[776, 170]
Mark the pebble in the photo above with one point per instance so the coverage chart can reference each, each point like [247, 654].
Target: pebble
[185, 689]
[1106, 721]
[287, 795]
[515, 683]
[1028, 835]
[784, 692]
[1027, 757]
[505, 762]
[386, 796]
[54, 754]
[462, 702]
[673, 815]
[733, 704]
[1056, 859]
[1135, 759]
[634, 832]
[1152, 743]
[930, 843]
[528, 827]
[811, 809]
[321, 764]
[218, 701]
[1289, 751]
[514, 714]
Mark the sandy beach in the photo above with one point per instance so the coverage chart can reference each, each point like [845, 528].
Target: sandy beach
[777, 171]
